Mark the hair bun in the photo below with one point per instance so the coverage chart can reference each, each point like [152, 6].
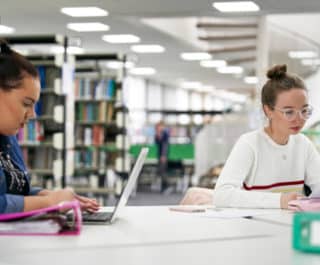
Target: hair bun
[277, 72]
[4, 47]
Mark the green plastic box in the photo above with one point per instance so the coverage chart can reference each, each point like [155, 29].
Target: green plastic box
[306, 231]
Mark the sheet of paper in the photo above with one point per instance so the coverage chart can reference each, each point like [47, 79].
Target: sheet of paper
[233, 213]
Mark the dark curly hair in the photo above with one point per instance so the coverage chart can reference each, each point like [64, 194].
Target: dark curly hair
[13, 67]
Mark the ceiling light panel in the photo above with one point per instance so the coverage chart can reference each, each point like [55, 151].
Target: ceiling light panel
[119, 64]
[213, 63]
[302, 54]
[310, 62]
[251, 80]
[70, 50]
[6, 30]
[239, 6]
[121, 38]
[195, 56]
[230, 70]
[88, 27]
[143, 71]
[86, 11]
[148, 48]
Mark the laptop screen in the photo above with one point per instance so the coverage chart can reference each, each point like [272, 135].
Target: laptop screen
[131, 183]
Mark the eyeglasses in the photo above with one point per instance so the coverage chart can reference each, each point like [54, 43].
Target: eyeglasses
[291, 114]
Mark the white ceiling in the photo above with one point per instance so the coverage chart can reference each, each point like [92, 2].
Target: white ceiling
[44, 17]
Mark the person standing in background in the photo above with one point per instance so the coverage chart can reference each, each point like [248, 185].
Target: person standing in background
[162, 143]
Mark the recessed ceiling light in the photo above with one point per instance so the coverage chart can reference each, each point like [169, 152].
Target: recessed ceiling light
[239, 6]
[310, 62]
[88, 27]
[143, 71]
[70, 50]
[251, 80]
[302, 54]
[230, 70]
[195, 56]
[147, 48]
[191, 85]
[213, 63]
[6, 30]
[121, 38]
[85, 11]
[207, 88]
[119, 64]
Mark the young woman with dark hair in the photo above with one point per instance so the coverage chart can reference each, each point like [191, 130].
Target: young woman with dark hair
[19, 92]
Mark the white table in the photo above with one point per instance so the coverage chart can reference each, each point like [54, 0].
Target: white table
[155, 235]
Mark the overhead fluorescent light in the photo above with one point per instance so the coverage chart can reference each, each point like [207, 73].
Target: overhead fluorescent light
[148, 48]
[251, 80]
[191, 85]
[310, 62]
[213, 63]
[143, 71]
[121, 38]
[195, 56]
[230, 70]
[70, 50]
[302, 54]
[88, 27]
[239, 6]
[207, 88]
[6, 30]
[119, 64]
[85, 11]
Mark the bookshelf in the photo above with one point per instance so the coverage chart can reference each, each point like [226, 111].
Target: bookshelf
[44, 153]
[99, 128]
[42, 140]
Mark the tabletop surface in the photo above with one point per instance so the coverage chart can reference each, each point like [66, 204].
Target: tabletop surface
[156, 235]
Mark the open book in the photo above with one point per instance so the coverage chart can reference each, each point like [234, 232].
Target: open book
[46, 221]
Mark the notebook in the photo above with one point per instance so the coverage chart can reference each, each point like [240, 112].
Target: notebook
[104, 217]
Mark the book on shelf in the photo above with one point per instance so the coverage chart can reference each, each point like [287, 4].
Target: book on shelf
[33, 132]
[100, 111]
[46, 221]
[87, 88]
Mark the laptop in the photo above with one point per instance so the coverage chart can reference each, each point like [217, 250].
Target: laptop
[104, 217]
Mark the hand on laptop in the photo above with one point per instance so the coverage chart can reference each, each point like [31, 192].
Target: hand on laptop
[87, 204]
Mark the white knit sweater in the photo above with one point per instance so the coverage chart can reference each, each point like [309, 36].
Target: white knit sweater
[258, 170]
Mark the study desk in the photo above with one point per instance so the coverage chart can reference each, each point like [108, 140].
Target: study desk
[155, 235]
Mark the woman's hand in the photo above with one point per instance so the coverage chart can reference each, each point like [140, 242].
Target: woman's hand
[57, 196]
[87, 204]
[198, 196]
[286, 197]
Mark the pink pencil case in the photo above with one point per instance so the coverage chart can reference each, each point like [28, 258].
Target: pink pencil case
[305, 205]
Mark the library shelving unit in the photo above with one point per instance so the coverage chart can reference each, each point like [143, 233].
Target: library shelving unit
[43, 139]
[100, 133]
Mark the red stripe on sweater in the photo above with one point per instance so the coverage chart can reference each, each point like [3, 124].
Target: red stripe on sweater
[279, 184]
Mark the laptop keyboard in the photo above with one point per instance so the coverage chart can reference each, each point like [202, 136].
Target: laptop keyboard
[97, 216]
